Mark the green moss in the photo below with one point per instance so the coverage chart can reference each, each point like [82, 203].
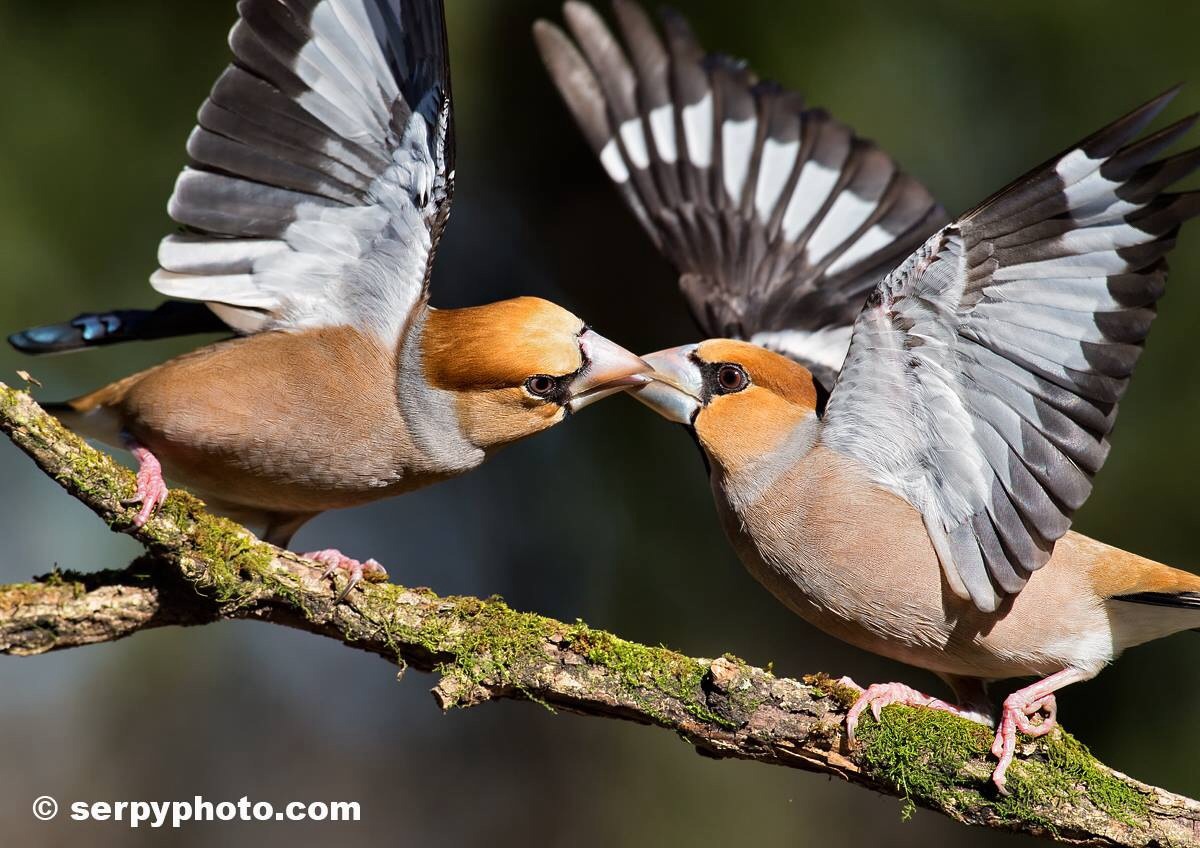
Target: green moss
[921, 752]
[91, 473]
[641, 667]
[743, 697]
[482, 642]
[490, 643]
[230, 554]
[1059, 772]
[54, 578]
[824, 686]
[497, 641]
[937, 758]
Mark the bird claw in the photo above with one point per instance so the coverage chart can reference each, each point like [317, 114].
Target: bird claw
[1018, 711]
[335, 560]
[1015, 716]
[880, 695]
[151, 490]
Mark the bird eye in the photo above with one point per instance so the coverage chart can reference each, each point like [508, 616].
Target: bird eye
[732, 378]
[541, 386]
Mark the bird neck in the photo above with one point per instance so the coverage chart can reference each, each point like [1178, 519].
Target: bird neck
[749, 468]
[471, 361]
[430, 412]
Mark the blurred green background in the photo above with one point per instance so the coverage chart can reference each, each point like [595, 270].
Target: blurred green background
[96, 100]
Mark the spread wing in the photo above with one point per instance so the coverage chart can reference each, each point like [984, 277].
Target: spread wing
[321, 170]
[984, 373]
[779, 219]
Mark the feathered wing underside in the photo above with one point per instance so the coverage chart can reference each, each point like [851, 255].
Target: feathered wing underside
[779, 219]
[321, 169]
[984, 373]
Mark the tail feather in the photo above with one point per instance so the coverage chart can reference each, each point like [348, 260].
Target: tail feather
[173, 318]
[1146, 615]
[97, 415]
[90, 419]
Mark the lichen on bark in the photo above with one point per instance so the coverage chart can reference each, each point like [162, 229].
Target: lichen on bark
[200, 569]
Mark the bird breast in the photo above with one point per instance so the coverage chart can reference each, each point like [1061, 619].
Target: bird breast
[856, 561]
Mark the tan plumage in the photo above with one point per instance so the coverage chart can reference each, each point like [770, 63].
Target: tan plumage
[856, 560]
[919, 504]
[278, 427]
[318, 188]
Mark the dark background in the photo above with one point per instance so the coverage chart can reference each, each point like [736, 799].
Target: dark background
[608, 518]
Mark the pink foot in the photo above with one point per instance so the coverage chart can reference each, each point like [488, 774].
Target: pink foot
[1019, 708]
[1016, 714]
[879, 695]
[151, 488]
[371, 571]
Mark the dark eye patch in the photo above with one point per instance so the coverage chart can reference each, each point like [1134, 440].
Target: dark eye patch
[541, 385]
[722, 378]
[556, 389]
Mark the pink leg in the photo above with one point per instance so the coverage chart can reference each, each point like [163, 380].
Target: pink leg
[1019, 707]
[879, 695]
[334, 559]
[151, 488]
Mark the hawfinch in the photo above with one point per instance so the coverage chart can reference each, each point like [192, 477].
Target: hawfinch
[914, 500]
[319, 186]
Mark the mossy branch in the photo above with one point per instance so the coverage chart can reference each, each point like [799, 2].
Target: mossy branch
[200, 569]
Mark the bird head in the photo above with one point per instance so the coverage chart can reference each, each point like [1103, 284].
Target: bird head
[520, 366]
[740, 400]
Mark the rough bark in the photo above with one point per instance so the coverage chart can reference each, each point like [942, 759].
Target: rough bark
[200, 569]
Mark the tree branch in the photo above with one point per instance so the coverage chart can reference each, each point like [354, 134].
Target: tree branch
[200, 569]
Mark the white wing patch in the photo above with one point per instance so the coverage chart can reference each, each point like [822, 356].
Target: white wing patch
[826, 346]
[698, 130]
[317, 207]
[984, 373]
[876, 238]
[848, 213]
[635, 143]
[812, 190]
[614, 162]
[739, 240]
[737, 146]
[778, 160]
[662, 124]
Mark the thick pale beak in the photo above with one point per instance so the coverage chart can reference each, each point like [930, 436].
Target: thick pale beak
[676, 385]
[610, 369]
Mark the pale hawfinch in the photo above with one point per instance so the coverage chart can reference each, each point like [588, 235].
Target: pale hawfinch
[319, 186]
[915, 500]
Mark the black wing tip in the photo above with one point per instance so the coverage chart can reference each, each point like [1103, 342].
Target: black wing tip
[26, 342]
[1106, 141]
[677, 26]
[172, 318]
[1181, 600]
[1148, 110]
[1169, 95]
[57, 338]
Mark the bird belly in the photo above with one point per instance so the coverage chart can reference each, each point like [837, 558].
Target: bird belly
[283, 423]
[856, 561]
[278, 475]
